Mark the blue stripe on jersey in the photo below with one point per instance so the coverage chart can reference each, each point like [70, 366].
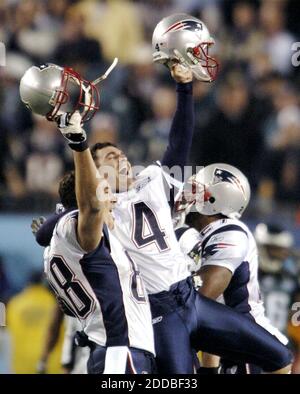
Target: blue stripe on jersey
[102, 274]
[180, 231]
[236, 295]
[229, 227]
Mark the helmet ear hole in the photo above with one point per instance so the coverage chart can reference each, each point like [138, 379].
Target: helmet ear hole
[211, 200]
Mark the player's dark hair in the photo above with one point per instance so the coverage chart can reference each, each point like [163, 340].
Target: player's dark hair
[100, 145]
[66, 190]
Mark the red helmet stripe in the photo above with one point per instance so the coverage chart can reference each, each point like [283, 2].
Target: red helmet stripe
[175, 26]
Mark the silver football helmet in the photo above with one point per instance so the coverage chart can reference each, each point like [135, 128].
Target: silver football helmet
[216, 189]
[186, 39]
[50, 90]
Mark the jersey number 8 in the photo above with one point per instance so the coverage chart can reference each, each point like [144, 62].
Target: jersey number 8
[75, 294]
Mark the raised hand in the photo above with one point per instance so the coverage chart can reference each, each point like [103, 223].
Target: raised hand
[36, 224]
[70, 127]
[180, 73]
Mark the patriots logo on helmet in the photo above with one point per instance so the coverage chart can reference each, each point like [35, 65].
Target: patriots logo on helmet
[186, 24]
[226, 176]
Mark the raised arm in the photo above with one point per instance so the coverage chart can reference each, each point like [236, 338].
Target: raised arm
[181, 133]
[93, 208]
[94, 197]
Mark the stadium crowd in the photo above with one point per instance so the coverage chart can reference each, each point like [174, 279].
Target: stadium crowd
[248, 118]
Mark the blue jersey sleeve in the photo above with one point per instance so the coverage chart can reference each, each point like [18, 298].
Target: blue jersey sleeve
[181, 133]
[44, 234]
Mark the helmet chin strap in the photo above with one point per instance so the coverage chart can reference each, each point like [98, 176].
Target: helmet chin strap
[200, 76]
[107, 72]
[87, 89]
[101, 78]
[180, 58]
[87, 96]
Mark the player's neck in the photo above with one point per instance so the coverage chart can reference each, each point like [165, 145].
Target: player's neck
[204, 221]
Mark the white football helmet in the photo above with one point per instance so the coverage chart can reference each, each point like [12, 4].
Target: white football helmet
[216, 189]
[273, 236]
[50, 90]
[186, 39]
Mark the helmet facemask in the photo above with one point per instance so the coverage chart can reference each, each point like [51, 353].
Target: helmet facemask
[215, 189]
[203, 66]
[208, 65]
[187, 40]
[190, 198]
[74, 94]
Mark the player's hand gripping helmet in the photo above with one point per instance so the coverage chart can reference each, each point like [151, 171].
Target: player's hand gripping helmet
[51, 90]
[186, 39]
[216, 189]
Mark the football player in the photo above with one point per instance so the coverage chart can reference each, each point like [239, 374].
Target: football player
[93, 275]
[223, 251]
[278, 272]
[279, 277]
[183, 319]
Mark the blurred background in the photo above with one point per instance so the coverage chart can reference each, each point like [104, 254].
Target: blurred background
[250, 118]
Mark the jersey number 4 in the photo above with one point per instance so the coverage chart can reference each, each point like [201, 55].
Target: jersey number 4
[75, 294]
[146, 228]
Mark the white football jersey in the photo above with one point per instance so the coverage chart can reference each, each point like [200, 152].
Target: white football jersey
[103, 288]
[143, 225]
[229, 243]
